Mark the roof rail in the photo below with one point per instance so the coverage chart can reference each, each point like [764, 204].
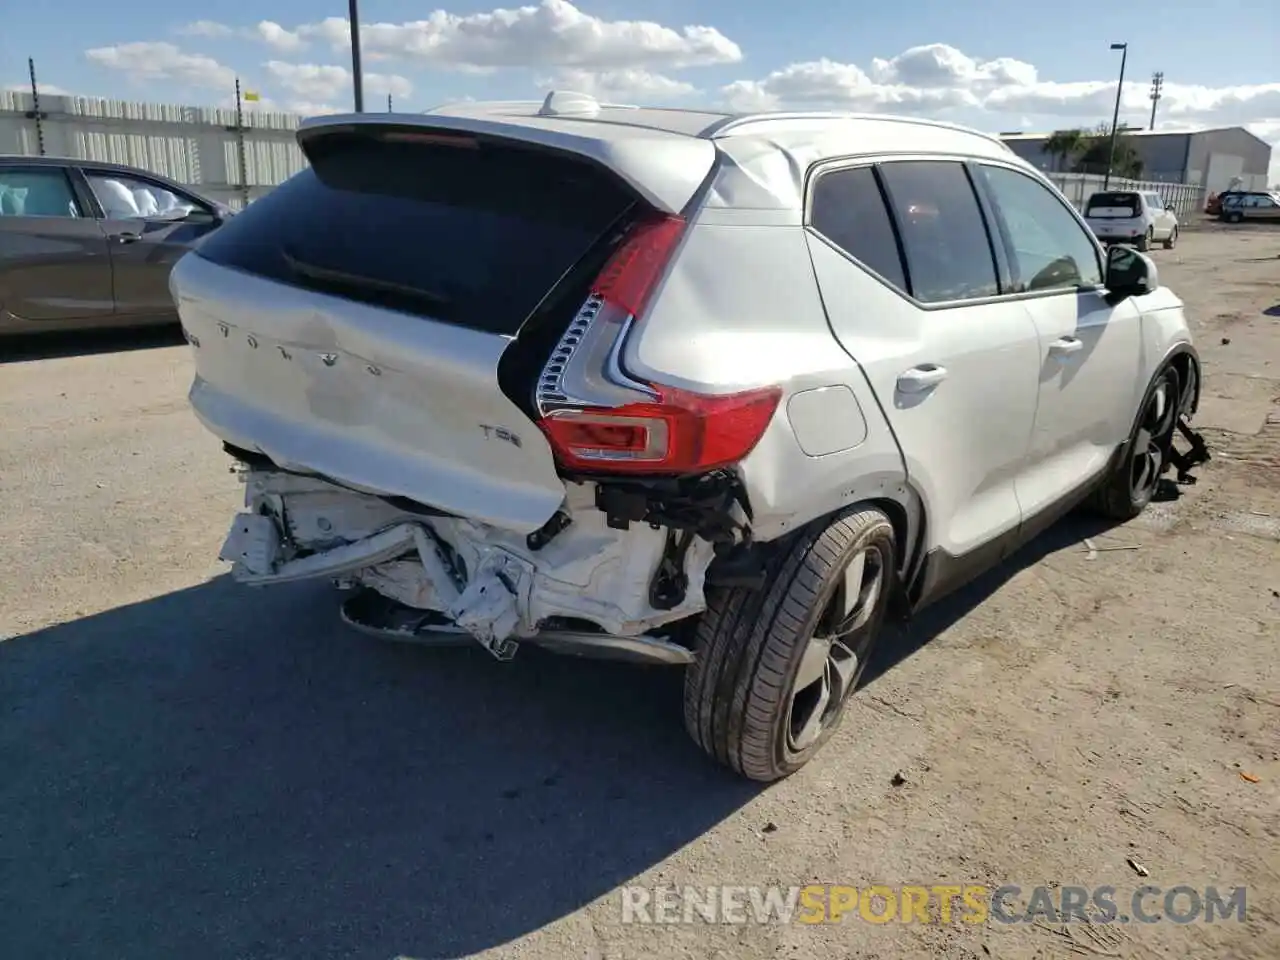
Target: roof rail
[735, 124]
[557, 103]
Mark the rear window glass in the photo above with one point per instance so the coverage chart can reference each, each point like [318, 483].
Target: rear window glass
[474, 234]
[1114, 205]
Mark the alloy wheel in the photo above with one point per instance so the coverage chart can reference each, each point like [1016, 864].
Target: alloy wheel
[836, 654]
[1151, 442]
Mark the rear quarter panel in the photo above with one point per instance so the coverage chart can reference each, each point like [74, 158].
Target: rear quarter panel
[740, 308]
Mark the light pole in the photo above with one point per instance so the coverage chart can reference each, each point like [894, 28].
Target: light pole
[1115, 117]
[357, 78]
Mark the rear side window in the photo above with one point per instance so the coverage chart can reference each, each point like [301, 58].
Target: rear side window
[849, 210]
[37, 192]
[949, 252]
[471, 232]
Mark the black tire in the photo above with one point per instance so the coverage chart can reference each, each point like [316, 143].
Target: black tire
[1234, 217]
[750, 644]
[1122, 495]
[1173, 240]
[1144, 242]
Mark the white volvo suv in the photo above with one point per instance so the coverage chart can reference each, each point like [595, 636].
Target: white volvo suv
[698, 389]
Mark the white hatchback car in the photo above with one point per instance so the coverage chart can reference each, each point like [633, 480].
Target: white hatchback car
[691, 388]
[1132, 216]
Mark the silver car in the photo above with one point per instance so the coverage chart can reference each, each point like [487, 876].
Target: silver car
[706, 390]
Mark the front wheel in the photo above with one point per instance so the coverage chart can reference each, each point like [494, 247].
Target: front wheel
[1170, 243]
[1133, 478]
[775, 667]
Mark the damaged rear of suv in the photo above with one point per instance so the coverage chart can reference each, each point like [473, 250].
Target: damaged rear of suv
[565, 375]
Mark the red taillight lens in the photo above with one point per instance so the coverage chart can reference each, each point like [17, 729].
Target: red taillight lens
[677, 432]
[680, 432]
[632, 272]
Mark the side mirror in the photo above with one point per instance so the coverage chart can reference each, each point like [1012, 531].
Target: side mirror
[1130, 273]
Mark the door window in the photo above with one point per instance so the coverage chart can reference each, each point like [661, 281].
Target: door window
[849, 210]
[1153, 201]
[130, 198]
[1048, 247]
[944, 235]
[42, 192]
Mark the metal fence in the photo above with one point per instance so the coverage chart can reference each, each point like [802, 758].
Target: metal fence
[1184, 199]
[196, 146]
[200, 146]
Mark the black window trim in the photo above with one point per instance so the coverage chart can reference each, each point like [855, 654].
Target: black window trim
[68, 172]
[875, 161]
[1007, 241]
[811, 184]
[81, 172]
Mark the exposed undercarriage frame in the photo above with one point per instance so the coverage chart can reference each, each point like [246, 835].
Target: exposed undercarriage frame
[610, 574]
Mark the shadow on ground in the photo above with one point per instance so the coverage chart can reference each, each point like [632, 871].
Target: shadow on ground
[24, 347]
[901, 640]
[223, 771]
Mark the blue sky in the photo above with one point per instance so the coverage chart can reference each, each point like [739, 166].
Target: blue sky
[999, 64]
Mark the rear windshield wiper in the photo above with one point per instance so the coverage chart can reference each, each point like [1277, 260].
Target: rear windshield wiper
[311, 271]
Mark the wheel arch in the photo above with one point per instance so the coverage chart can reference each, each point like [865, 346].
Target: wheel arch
[1185, 359]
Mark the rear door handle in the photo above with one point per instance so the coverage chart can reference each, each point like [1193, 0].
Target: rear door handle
[921, 378]
[1066, 345]
[126, 237]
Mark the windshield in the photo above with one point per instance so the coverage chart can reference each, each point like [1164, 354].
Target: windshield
[1113, 205]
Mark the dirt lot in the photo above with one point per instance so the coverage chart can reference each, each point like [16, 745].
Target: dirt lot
[188, 768]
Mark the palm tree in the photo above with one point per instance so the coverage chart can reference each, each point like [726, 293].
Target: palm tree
[1063, 145]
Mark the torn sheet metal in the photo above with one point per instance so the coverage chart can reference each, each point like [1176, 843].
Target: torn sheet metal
[487, 581]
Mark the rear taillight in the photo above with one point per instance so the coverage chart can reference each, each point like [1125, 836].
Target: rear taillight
[599, 419]
[678, 433]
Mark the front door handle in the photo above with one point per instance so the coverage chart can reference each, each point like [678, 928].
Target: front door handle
[1066, 345]
[126, 237]
[921, 378]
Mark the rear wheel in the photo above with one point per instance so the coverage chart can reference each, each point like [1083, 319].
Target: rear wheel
[1170, 243]
[1144, 242]
[1132, 480]
[775, 667]
[1235, 217]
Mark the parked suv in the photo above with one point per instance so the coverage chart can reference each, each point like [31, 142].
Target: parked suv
[87, 245]
[695, 389]
[1130, 216]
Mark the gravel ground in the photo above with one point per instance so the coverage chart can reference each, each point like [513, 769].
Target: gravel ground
[188, 768]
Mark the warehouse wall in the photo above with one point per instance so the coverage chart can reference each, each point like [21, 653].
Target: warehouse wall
[1163, 154]
[1217, 156]
[197, 146]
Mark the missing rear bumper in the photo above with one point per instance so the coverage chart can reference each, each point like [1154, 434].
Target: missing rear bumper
[491, 585]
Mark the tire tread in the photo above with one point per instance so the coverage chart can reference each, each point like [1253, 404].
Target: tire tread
[745, 642]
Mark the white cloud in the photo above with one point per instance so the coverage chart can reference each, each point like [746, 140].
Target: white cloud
[553, 32]
[205, 28]
[278, 38]
[826, 83]
[629, 85]
[266, 31]
[152, 62]
[315, 82]
[937, 77]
